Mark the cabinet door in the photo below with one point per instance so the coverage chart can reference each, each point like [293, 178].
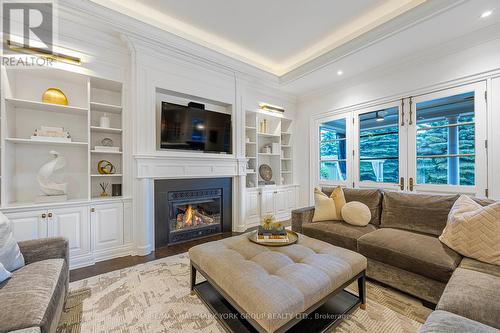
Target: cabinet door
[73, 224]
[252, 206]
[28, 225]
[281, 206]
[267, 203]
[107, 225]
[291, 198]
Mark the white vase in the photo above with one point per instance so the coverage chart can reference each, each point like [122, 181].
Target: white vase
[104, 121]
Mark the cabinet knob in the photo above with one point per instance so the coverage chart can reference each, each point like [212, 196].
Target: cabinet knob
[50, 214]
[92, 210]
[44, 216]
[275, 192]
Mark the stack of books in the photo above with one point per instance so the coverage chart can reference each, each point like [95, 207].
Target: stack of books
[272, 235]
[107, 149]
[48, 133]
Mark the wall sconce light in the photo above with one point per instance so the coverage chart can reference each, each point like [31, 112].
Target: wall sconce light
[272, 108]
[17, 47]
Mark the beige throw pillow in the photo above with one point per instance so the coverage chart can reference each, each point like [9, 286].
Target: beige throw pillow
[356, 213]
[324, 207]
[339, 200]
[473, 230]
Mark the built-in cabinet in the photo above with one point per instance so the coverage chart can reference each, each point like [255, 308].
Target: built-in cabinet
[95, 231]
[92, 120]
[278, 201]
[269, 144]
[91, 220]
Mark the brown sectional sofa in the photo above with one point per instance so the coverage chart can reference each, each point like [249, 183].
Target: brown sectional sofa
[403, 251]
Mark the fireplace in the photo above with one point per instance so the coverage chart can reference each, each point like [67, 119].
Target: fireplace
[187, 209]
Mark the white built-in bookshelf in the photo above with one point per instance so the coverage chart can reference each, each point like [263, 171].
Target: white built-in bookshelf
[23, 111]
[268, 129]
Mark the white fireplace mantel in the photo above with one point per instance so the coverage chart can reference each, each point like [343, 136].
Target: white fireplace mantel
[178, 165]
[189, 165]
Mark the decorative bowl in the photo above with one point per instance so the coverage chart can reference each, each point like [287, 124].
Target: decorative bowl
[266, 172]
[54, 96]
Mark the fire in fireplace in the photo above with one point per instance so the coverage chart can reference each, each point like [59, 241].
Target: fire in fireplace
[187, 209]
[194, 213]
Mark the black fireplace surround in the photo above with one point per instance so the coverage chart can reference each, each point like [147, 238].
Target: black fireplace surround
[187, 209]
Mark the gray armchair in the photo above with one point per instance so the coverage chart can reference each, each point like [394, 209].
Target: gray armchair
[32, 300]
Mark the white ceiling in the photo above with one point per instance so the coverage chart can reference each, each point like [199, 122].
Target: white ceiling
[304, 43]
[449, 30]
[276, 36]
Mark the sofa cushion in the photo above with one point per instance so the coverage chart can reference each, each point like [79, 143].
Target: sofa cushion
[356, 213]
[324, 207]
[446, 322]
[27, 330]
[416, 212]
[339, 199]
[31, 296]
[416, 253]
[4, 274]
[337, 233]
[474, 230]
[480, 266]
[370, 197]
[474, 295]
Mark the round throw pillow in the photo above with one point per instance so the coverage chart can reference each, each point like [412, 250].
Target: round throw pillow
[356, 213]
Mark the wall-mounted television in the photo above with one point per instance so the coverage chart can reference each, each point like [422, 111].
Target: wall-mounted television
[194, 128]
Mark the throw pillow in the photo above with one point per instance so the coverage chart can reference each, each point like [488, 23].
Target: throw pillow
[339, 200]
[356, 213]
[4, 274]
[473, 230]
[324, 207]
[10, 255]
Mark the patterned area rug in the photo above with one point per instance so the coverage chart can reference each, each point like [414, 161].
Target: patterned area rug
[155, 297]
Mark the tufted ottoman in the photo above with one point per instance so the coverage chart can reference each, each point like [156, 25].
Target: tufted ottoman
[273, 288]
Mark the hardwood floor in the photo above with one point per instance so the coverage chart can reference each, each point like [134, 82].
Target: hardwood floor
[123, 262]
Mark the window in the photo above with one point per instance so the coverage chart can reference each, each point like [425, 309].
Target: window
[432, 143]
[332, 154]
[379, 146]
[445, 140]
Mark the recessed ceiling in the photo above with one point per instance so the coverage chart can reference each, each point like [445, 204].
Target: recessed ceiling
[277, 36]
[449, 30]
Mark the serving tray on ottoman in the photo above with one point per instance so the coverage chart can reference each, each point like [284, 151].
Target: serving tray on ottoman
[296, 288]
